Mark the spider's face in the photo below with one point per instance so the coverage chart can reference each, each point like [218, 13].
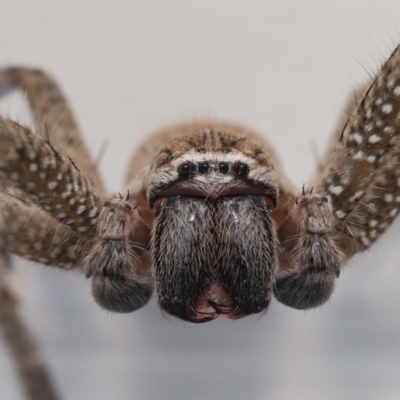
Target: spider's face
[214, 241]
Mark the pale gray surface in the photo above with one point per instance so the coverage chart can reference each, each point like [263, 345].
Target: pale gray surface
[284, 68]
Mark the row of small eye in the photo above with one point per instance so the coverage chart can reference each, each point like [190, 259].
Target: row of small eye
[187, 169]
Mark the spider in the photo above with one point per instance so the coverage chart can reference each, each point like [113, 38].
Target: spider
[207, 218]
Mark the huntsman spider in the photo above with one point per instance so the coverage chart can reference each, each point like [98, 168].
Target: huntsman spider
[207, 220]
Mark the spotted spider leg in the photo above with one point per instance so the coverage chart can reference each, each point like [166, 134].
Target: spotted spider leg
[356, 199]
[30, 185]
[46, 240]
[35, 235]
[52, 115]
[32, 370]
[30, 231]
[50, 178]
[54, 183]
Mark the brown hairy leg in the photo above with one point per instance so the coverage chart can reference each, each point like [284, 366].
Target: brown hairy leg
[55, 184]
[52, 115]
[28, 227]
[32, 370]
[355, 200]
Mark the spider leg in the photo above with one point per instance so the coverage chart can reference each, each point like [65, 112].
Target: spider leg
[377, 207]
[35, 235]
[50, 178]
[53, 117]
[115, 259]
[31, 368]
[354, 201]
[366, 144]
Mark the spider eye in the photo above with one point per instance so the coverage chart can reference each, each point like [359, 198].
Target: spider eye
[203, 167]
[223, 168]
[184, 170]
[241, 169]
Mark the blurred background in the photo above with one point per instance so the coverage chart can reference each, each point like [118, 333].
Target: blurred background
[285, 69]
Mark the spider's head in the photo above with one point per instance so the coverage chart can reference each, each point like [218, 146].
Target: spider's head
[214, 241]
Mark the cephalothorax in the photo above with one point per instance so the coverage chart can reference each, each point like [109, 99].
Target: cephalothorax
[207, 217]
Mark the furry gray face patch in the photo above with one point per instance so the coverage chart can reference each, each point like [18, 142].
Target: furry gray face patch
[214, 259]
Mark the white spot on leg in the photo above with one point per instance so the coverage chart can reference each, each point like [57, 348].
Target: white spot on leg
[64, 195]
[83, 185]
[93, 212]
[358, 156]
[33, 167]
[374, 138]
[396, 91]
[371, 159]
[357, 137]
[336, 189]
[388, 197]
[356, 196]
[340, 214]
[365, 241]
[345, 180]
[369, 127]
[52, 185]
[373, 223]
[394, 212]
[80, 209]
[387, 108]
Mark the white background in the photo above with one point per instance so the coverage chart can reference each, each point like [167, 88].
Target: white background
[284, 68]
